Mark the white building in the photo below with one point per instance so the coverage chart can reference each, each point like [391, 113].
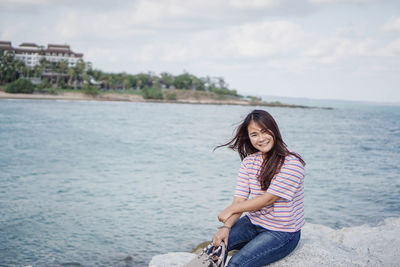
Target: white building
[31, 53]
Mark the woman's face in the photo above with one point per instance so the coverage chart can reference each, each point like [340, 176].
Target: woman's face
[260, 138]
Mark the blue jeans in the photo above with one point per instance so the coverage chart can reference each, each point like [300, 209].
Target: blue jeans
[259, 246]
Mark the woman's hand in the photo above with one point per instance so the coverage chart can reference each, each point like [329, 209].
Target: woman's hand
[225, 214]
[221, 235]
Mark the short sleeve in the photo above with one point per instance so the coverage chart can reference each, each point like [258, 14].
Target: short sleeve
[242, 184]
[289, 180]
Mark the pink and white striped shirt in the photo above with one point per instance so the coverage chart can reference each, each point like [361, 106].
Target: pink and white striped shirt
[287, 213]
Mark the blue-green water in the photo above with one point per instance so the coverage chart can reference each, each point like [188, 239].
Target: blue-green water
[114, 183]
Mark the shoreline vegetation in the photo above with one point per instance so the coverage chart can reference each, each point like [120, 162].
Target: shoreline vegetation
[180, 97]
[60, 80]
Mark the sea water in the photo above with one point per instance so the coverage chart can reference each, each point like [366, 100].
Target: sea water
[115, 183]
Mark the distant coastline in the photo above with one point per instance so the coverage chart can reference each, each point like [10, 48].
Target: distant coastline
[183, 97]
[57, 73]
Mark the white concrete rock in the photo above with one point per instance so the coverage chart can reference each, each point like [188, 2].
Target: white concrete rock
[323, 246]
[175, 259]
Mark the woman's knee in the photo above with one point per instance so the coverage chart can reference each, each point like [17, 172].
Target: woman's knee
[242, 232]
[265, 249]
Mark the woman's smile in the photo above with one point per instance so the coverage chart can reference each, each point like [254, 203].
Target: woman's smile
[264, 143]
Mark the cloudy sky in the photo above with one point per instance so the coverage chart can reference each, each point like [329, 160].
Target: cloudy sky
[329, 49]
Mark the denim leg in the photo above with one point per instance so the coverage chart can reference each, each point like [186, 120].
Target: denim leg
[267, 247]
[242, 232]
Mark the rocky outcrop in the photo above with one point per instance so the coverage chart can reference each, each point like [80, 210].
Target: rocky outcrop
[323, 246]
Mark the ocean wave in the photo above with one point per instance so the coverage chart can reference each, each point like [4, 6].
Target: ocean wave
[323, 246]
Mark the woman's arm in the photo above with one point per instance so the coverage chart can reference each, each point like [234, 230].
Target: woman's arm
[232, 219]
[246, 205]
[223, 233]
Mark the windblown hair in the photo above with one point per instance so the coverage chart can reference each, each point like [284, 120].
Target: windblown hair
[274, 158]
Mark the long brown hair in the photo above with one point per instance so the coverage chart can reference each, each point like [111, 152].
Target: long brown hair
[274, 158]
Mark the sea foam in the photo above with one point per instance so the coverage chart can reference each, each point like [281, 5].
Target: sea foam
[323, 246]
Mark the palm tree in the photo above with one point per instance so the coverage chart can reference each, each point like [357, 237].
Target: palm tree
[63, 68]
[19, 67]
[80, 70]
[43, 65]
[3, 64]
[37, 71]
[9, 71]
[55, 71]
[71, 76]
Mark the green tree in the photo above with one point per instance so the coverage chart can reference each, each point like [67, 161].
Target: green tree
[223, 91]
[126, 84]
[107, 79]
[80, 70]
[76, 74]
[21, 68]
[37, 72]
[222, 84]
[154, 80]
[152, 93]
[207, 81]
[13, 68]
[167, 79]
[90, 90]
[43, 65]
[45, 87]
[63, 71]
[197, 84]
[144, 80]
[72, 76]
[183, 81]
[8, 71]
[132, 81]
[55, 72]
[21, 85]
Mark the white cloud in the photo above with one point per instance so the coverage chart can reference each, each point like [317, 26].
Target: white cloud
[13, 32]
[280, 44]
[22, 3]
[114, 24]
[231, 38]
[284, 43]
[391, 49]
[171, 52]
[109, 55]
[137, 18]
[176, 14]
[270, 38]
[68, 25]
[337, 1]
[335, 49]
[392, 25]
[151, 11]
[252, 3]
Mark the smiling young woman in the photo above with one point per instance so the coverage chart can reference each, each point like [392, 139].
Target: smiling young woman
[270, 189]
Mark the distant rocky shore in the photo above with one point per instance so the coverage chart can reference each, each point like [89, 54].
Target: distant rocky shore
[182, 98]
